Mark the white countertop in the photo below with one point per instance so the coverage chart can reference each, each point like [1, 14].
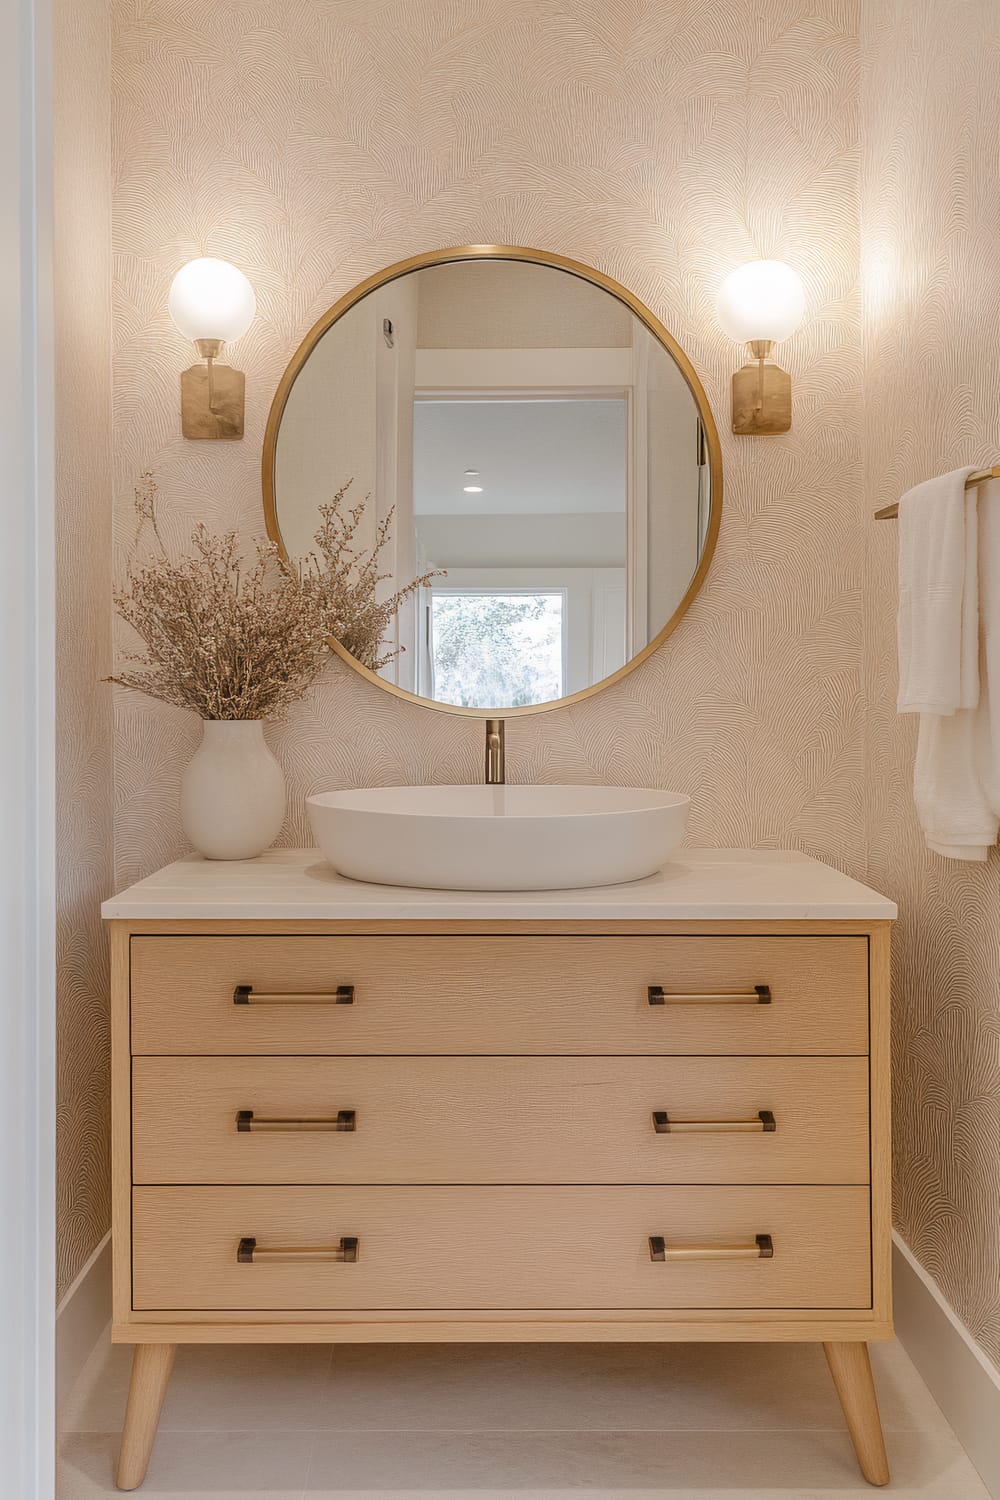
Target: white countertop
[699, 884]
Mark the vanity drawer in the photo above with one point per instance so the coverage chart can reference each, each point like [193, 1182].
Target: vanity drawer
[499, 1119]
[587, 993]
[498, 1247]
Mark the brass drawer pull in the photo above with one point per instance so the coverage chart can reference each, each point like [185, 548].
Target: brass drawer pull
[245, 994]
[250, 1253]
[759, 995]
[761, 1249]
[763, 1124]
[343, 1120]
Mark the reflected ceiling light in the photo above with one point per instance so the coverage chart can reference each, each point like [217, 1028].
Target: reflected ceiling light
[472, 489]
[760, 304]
[212, 303]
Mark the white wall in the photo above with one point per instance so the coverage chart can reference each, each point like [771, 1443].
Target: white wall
[534, 456]
[672, 485]
[565, 541]
[27, 691]
[328, 429]
[394, 374]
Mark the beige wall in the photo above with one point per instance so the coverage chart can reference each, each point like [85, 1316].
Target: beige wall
[84, 743]
[661, 144]
[932, 401]
[516, 305]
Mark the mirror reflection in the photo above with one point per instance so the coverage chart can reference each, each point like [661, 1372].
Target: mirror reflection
[534, 459]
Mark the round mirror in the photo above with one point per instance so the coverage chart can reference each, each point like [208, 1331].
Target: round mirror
[510, 469]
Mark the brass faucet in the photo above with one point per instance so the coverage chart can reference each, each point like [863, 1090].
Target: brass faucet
[495, 775]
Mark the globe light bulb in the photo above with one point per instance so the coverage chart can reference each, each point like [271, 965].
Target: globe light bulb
[762, 300]
[210, 299]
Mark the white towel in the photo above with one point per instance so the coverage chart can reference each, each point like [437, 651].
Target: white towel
[956, 780]
[938, 620]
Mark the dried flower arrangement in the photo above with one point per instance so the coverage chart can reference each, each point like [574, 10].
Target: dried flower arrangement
[230, 640]
[345, 580]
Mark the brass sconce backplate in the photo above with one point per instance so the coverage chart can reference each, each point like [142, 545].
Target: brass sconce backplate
[762, 399]
[212, 398]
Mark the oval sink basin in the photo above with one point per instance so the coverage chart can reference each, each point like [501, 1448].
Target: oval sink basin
[498, 838]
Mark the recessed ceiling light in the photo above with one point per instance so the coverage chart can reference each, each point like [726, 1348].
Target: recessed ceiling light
[472, 473]
[472, 489]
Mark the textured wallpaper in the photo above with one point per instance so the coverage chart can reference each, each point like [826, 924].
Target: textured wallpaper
[931, 218]
[312, 142]
[84, 744]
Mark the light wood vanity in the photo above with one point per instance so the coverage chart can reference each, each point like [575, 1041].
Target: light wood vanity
[345, 1113]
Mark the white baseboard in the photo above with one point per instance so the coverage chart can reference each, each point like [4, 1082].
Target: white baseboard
[961, 1379]
[963, 1382]
[81, 1318]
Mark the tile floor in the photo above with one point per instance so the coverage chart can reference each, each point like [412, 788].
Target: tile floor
[547, 1422]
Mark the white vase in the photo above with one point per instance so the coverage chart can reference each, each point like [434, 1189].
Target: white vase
[233, 791]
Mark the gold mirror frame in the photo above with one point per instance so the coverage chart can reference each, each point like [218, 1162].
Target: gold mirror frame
[540, 258]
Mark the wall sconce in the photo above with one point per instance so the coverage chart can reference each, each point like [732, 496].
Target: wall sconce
[212, 303]
[759, 305]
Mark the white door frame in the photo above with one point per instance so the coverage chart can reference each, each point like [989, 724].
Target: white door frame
[558, 375]
[27, 759]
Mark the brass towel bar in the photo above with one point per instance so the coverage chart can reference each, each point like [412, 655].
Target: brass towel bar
[890, 512]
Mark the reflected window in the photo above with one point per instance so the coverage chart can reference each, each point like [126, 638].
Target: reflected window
[488, 647]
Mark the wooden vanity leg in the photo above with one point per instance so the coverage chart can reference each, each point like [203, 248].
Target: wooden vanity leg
[852, 1375]
[151, 1366]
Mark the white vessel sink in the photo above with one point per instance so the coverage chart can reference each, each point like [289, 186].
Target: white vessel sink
[498, 838]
